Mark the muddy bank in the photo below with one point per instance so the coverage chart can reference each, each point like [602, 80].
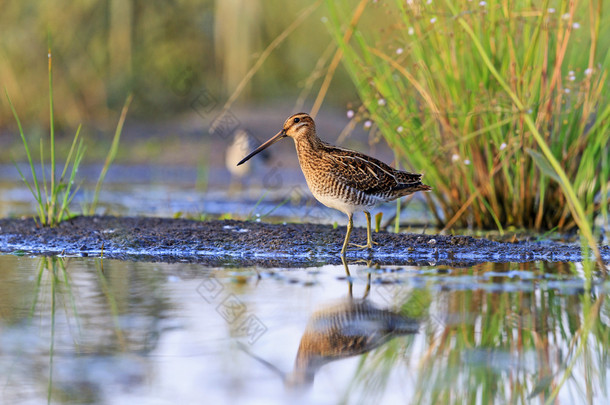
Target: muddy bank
[254, 243]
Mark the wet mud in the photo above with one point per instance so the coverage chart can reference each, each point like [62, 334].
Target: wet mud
[238, 243]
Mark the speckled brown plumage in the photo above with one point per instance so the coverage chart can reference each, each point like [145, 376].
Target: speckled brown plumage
[343, 179]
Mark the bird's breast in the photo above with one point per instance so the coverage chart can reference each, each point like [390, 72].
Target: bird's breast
[330, 189]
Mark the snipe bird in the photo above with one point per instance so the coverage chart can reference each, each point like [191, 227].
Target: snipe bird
[343, 179]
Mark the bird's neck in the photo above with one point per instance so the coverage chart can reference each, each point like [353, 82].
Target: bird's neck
[307, 145]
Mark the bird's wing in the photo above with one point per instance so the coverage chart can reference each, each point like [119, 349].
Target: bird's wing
[368, 174]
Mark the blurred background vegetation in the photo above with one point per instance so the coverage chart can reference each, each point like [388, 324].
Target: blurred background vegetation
[158, 50]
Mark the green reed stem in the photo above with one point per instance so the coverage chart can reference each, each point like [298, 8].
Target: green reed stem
[52, 133]
[114, 148]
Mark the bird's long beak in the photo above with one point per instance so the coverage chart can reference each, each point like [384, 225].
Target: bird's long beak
[264, 146]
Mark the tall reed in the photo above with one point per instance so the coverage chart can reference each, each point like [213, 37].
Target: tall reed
[52, 195]
[503, 105]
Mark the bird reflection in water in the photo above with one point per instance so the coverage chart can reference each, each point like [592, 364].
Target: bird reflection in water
[344, 328]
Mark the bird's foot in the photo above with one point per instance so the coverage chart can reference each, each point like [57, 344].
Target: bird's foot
[368, 263]
[367, 246]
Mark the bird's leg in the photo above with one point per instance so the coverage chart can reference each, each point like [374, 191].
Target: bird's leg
[350, 225]
[369, 236]
[368, 286]
[369, 232]
[349, 277]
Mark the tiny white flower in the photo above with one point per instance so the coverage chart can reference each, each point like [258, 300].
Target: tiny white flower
[399, 51]
[368, 124]
[399, 129]
[529, 111]
[503, 146]
[432, 20]
[566, 16]
[410, 31]
[566, 91]
[571, 73]
[466, 162]
[350, 114]
[588, 71]
[428, 1]
[455, 157]
[551, 10]
[482, 3]
[576, 25]
[381, 102]
[571, 78]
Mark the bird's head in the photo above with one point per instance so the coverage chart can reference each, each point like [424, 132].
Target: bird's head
[296, 126]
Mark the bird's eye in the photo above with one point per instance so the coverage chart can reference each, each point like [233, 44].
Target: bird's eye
[296, 120]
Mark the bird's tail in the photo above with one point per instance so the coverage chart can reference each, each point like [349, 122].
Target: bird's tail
[406, 189]
[409, 183]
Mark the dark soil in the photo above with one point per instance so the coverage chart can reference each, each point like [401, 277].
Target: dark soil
[238, 243]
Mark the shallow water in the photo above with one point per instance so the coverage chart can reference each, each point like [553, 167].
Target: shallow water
[167, 191]
[82, 330]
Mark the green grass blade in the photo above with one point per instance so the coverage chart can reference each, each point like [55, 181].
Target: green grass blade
[37, 195]
[51, 116]
[67, 197]
[48, 196]
[114, 147]
[25, 180]
[69, 158]
[543, 164]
